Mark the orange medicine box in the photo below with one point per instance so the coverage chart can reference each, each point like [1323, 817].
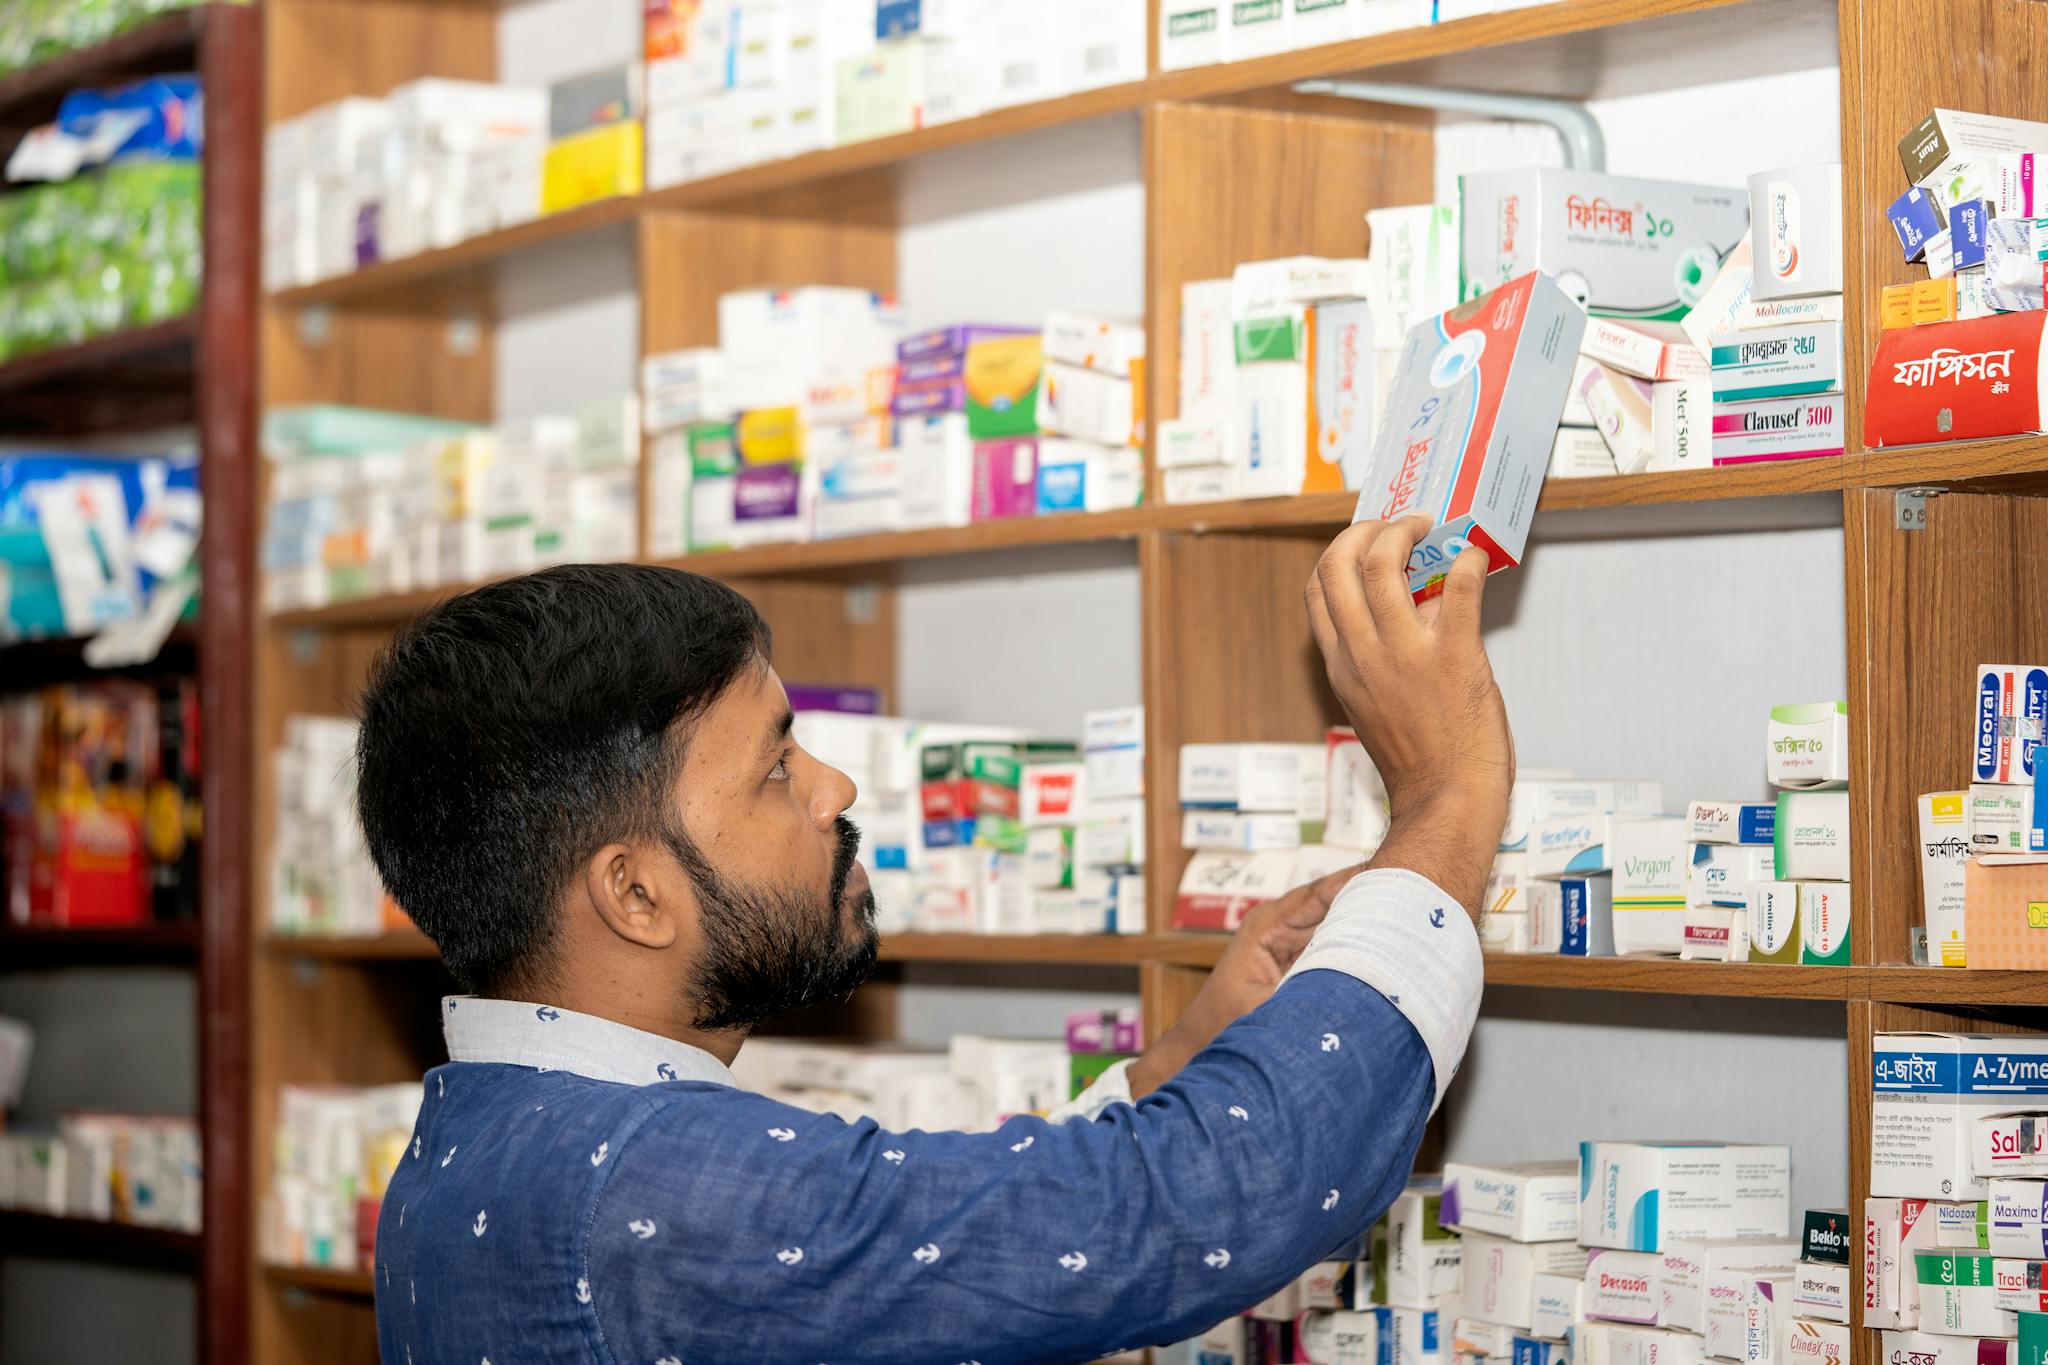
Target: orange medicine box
[2005, 911]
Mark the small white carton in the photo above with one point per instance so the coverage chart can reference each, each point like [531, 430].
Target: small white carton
[1796, 215]
[1930, 1348]
[1534, 1201]
[1959, 1294]
[2016, 1215]
[1811, 1341]
[2020, 1287]
[1811, 836]
[1807, 746]
[1928, 1089]
[1558, 1299]
[1634, 1195]
[1625, 1286]
[1421, 1257]
[1652, 860]
[1498, 1277]
[1690, 1262]
[1113, 749]
[1769, 1299]
[1820, 1291]
[1728, 1292]
[1274, 778]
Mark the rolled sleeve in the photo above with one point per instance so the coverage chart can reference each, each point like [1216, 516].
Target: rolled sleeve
[1398, 932]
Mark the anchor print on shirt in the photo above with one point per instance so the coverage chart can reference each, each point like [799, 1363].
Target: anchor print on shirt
[926, 1254]
[1329, 1201]
[643, 1228]
[783, 1134]
[547, 1014]
[669, 1360]
[1436, 918]
[1331, 1042]
[1020, 1146]
[1219, 1259]
[583, 1291]
[448, 1158]
[791, 1256]
[1238, 1111]
[1074, 1261]
[666, 1071]
[893, 1157]
[603, 1150]
[478, 1226]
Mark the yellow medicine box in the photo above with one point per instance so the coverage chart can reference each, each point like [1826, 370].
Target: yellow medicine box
[595, 165]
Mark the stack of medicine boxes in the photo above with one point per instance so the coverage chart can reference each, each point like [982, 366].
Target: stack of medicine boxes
[1522, 1261]
[1803, 915]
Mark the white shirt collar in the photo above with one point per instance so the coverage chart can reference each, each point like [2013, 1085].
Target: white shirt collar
[518, 1033]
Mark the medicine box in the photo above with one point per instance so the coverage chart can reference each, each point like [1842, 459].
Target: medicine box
[1944, 847]
[1415, 1259]
[1807, 746]
[1113, 749]
[2017, 1217]
[1572, 845]
[1497, 1283]
[1356, 800]
[1961, 380]
[1623, 409]
[1580, 453]
[1928, 1089]
[1811, 842]
[1758, 314]
[1778, 429]
[1264, 288]
[1824, 924]
[1774, 922]
[1997, 818]
[1230, 831]
[1275, 778]
[1930, 1348]
[1949, 140]
[1625, 1286]
[1959, 1294]
[1557, 1298]
[1769, 1300]
[1916, 220]
[1635, 1195]
[1681, 423]
[1471, 415]
[2011, 708]
[1716, 933]
[1548, 793]
[1778, 362]
[2020, 1288]
[1534, 1201]
[1730, 822]
[1093, 343]
[1690, 1263]
[1642, 249]
[1646, 350]
[2005, 914]
[1584, 912]
[1651, 860]
[1722, 874]
[1820, 1290]
[1720, 306]
[1810, 1341]
[1796, 215]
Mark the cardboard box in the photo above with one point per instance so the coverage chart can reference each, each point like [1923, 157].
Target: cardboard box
[1543, 793]
[1356, 800]
[1808, 746]
[1928, 1348]
[1625, 1286]
[1646, 350]
[1572, 845]
[2009, 1146]
[1811, 840]
[1797, 216]
[1806, 1340]
[1343, 377]
[1719, 309]
[1265, 288]
[1080, 476]
[1959, 1294]
[2019, 1285]
[1497, 1282]
[1113, 749]
[1769, 1300]
[1413, 268]
[1779, 429]
[1183, 443]
[1005, 479]
[1928, 1089]
[1778, 362]
[1002, 377]
[1948, 140]
[1557, 1300]
[1774, 922]
[1421, 1259]
[2017, 1218]
[1997, 818]
[1916, 220]
[1731, 822]
[1091, 406]
[1758, 314]
[2011, 709]
[1691, 1264]
[1584, 914]
[1470, 421]
[1681, 423]
[1622, 409]
[1342, 1338]
[1642, 249]
[1508, 888]
[1722, 875]
[1219, 889]
[1092, 343]
[1277, 778]
[1636, 1195]
[1824, 924]
[1231, 832]
[1208, 359]
[1581, 453]
[1618, 1343]
[1909, 305]
[1535, 1201]
[1715, 933]
[2005, 914]
[1957, 381]
[1651, 860]
[1944, 849]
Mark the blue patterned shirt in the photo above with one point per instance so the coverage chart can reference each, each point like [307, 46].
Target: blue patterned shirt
[579, 1191]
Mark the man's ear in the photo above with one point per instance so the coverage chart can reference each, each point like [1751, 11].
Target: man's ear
[638, 893]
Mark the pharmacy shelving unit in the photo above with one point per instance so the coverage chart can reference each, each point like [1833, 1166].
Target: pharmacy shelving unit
[1236, 167]
[198, 371]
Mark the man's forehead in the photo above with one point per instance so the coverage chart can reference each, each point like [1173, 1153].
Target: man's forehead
[739, 718]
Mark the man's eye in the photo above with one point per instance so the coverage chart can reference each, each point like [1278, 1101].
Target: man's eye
[780, 772]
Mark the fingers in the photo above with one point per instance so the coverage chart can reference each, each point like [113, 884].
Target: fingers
[1341, 574]
[1328, 886]
[1464, 591]
[1319, 623]
[1386, 575]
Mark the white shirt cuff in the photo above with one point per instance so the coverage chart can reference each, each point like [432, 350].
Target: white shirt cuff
[1111, 1087]
[1398, 932]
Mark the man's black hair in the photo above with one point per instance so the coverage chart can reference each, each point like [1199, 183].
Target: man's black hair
[511, 732]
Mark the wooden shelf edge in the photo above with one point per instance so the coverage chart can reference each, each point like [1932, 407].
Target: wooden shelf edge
[1955, 986]
[2013, 461]
[397, 946]
[36, 947]
[1022, 949]
[40, 1235]
[158, 40]
[1669, 976]
[348, 1284]
[97, 353]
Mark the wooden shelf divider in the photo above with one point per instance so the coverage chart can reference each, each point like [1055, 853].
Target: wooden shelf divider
[84, 1239]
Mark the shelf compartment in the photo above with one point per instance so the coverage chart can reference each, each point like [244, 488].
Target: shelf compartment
[134, 379]
[30, 96]
[348, 1284]
[38, 1235]
[29, 948]
[397, 946]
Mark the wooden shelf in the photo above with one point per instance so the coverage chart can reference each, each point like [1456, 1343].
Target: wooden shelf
[29, 96]
[1578, 48]
[349, 1284]
[1955, 986]
[129, 380]
[1668, 976]
[29, 664]
[152, 943]
[398, 946]
[2015, 464]
[79, 1239]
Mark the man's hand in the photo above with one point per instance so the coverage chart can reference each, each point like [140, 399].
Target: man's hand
[1261, 951]
[1417, 686]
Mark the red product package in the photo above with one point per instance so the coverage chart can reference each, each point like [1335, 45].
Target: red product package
[1958, 381]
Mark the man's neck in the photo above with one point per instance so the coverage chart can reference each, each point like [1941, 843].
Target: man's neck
[663, 1023]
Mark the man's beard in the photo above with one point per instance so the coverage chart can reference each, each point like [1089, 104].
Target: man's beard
[769, 951]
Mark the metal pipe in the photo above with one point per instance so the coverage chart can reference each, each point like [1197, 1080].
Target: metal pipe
[1585, 149]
